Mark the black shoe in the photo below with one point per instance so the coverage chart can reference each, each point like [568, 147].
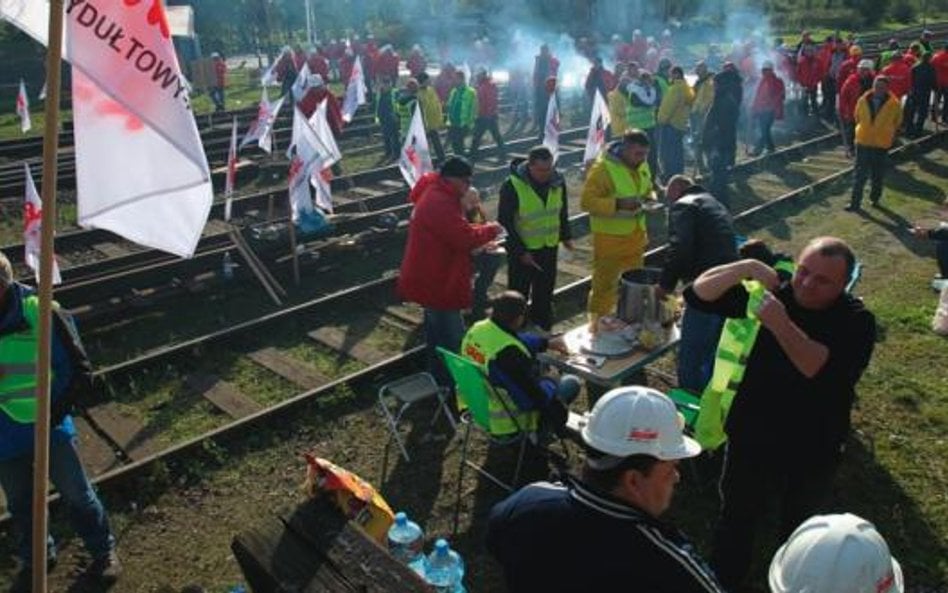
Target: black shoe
[852, 208]
[875, 204]
[106, 567]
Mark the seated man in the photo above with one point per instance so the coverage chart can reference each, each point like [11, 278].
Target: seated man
[593, 533]
[512, 368]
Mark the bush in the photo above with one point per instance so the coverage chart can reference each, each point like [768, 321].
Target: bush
[844, 19]
[903, 11]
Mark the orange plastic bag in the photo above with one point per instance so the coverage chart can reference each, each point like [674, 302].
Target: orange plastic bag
[357, 499]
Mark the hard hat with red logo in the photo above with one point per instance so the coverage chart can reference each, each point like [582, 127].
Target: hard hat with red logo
[637, 421]
[835, 553]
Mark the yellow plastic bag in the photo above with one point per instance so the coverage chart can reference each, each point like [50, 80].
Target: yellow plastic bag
[357, 499]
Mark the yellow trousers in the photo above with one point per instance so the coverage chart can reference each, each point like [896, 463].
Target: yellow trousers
[612, 255]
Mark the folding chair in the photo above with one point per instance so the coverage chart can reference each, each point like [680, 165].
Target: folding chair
[474, 392]
[405, 392]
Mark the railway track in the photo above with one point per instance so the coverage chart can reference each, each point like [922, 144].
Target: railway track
[225, 382]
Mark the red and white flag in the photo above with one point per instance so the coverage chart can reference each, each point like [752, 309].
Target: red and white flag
[141, 171]
[301, 84]
[23, 108]
[322, 179]
[551, 130]
[355, 91]
[231, 172]
[415, 159]
[270, 76]
[261, 130]
[32, 229]
[599, 120]
[308, 157]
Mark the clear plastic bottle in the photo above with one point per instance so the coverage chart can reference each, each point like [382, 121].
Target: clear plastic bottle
[445, 569]
[406, 543]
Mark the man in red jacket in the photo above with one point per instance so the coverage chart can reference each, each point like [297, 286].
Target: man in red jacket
[809, 74]
[854, 87]
[848, 67]
[899, 73]
[436, 269]
[317, 63]
[317, 92]
[767, 107]
[220, 81]
[386, 65]
[487, 118]
[940, 63]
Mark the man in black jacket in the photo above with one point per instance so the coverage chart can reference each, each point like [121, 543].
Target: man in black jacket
[919, 101]
[791, 414]
[720, 128]
[700, 236]
[603, 532]
[533, 210]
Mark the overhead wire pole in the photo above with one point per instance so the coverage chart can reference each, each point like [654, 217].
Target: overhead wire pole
[44, 355]
[309, 23]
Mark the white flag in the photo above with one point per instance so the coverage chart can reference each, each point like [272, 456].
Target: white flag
[23, 108]
[355, 91]
[261, 129]
[33, 229]
[320, 123]
[599, 120]
[467, 73]
[551, 131]
[42, 95]
[415, 159]
[308, 157]
[231, 172]
[270, 76]
[321, 179]
[141, 170]
[301, 85]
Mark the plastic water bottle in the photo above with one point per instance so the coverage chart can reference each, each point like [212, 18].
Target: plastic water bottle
[406, 543]
[445, 569]
[227, 267]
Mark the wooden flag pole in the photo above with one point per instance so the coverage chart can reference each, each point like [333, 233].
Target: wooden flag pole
[54, 56]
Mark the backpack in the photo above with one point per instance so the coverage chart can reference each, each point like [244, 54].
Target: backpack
[84, 382]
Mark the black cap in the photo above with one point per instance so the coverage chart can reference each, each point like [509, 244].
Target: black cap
[456, 166]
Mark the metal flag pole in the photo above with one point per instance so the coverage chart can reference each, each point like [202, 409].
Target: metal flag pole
[44, 356]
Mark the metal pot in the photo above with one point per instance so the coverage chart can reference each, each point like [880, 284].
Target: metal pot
[638, 302]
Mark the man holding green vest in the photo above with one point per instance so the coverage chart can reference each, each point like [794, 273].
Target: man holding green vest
[533, 210]
[790, 417]
[617, 187]
[508, 358]
[19, 327]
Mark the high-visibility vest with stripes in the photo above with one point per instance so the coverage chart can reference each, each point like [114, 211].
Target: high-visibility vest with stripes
[538, 224]
[643, 117]
[738, 337]
[625, 186]
[18, 367]
[482, 343]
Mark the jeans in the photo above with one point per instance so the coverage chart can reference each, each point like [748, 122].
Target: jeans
[456, 136]
[765, 122]
[390, 140]
[566, 389]
[673, 151]
[443, 328]
[481, 126]
[65, 471]
[217, 96]
[870, 164]
[700, 333]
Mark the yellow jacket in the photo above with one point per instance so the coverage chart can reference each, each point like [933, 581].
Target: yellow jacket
[676, 105]
[599, 193]
[431, 108]
[704, 94]
[878, 131]
[617, 110]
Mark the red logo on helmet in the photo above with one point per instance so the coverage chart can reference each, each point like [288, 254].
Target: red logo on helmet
[885, 583]
[643, 434]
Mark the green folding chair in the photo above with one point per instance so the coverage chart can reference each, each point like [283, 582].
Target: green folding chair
[474, 391]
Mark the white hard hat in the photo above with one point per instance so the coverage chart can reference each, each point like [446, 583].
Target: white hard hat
[768, 65]
[636, 421]
[616, 38]
[835, 553]
[865, 65]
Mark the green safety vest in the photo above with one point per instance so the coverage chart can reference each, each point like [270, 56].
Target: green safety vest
[738, 337]
[482, 343]
[641, 117]
[404, 110]
[625, 186]
[538, 224]
[18, 367]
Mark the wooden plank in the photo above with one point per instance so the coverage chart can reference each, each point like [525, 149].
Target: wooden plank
[97, 455]
[350, 340]
[291, 369]
[367, 191]
[110, 249]
[225, 396]
[408, 313]
[124, 429]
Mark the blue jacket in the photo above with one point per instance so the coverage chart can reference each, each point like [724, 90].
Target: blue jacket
[16, 439]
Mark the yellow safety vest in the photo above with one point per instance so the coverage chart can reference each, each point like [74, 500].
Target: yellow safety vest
[482, 343]
[625, 186]
[738, 337]
[538, 224]
[18, 367]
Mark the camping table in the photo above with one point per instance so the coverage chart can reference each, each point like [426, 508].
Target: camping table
[615, 368]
